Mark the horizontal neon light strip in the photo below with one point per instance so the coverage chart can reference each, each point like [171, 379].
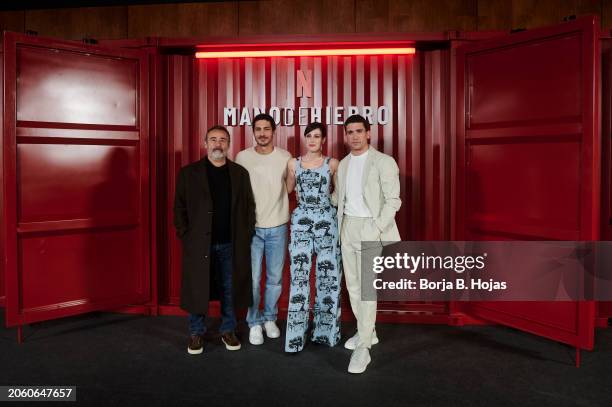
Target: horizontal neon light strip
[305, 52]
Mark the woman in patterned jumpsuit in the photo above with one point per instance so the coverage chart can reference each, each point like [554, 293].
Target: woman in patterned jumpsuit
[314, 230]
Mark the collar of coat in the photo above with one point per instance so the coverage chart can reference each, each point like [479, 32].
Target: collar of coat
[234, 173]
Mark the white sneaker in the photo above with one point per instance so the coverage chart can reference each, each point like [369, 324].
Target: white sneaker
[359, 360]
[256, 335]
[351, 343]
[271, 329]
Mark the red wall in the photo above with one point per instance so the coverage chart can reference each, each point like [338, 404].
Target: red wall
[415, 88]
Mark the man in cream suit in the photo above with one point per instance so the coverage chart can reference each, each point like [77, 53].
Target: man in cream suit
[368, 196]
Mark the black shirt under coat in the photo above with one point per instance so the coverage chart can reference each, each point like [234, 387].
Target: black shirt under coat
[220, 187]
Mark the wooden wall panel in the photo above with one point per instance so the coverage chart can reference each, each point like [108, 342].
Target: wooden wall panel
[296, 17]
[12, 21]
[416, 15]
[494, 15]
[79, 23]
[183, 20]
[268, 17]
[531, 14]
[606, 14]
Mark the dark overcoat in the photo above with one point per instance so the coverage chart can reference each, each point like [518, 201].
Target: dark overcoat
[193, 212]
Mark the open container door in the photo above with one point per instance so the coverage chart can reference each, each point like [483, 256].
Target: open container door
[75, 232]
[604, 311]
[528, 157]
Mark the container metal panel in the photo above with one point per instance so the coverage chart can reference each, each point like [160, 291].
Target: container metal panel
[75, 178]
[63, 86]
[528, 158]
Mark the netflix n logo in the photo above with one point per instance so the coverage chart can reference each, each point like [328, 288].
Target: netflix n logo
[304, 84]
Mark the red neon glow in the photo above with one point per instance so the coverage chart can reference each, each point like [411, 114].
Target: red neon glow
[305, 52]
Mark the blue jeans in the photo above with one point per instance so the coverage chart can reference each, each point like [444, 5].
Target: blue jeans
[273, 243]
[221, 265]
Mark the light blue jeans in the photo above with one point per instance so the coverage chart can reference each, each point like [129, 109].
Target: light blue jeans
[273, 243]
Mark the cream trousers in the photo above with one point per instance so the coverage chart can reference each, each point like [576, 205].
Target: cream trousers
[365, 311]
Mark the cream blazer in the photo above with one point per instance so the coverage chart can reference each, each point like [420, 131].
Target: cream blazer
[381, 194]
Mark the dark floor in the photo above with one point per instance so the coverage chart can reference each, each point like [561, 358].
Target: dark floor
[116, 359]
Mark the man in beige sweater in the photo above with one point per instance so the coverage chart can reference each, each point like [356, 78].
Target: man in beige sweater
[267, 167]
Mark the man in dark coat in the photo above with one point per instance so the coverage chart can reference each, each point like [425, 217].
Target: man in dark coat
[214, 216]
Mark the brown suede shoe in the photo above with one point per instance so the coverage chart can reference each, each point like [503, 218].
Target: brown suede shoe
[196, 345]
[231, 341]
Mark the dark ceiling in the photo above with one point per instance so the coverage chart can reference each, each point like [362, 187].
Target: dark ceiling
[35, 5]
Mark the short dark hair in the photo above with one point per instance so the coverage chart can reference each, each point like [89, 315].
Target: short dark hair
[219, 127]
[264, 116]
[357, 118]
[316, 125]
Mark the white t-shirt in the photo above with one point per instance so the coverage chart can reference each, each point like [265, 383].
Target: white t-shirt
[268, 173]
[354, 204]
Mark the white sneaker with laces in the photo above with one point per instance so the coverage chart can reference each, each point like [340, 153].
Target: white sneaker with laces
[351, 343]
[359, 360]
[271, 329]
[256, 335]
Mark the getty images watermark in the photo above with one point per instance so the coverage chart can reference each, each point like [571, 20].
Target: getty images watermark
[486, 271]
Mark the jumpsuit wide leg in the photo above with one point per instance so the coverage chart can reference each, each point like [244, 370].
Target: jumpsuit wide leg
[314, 230]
